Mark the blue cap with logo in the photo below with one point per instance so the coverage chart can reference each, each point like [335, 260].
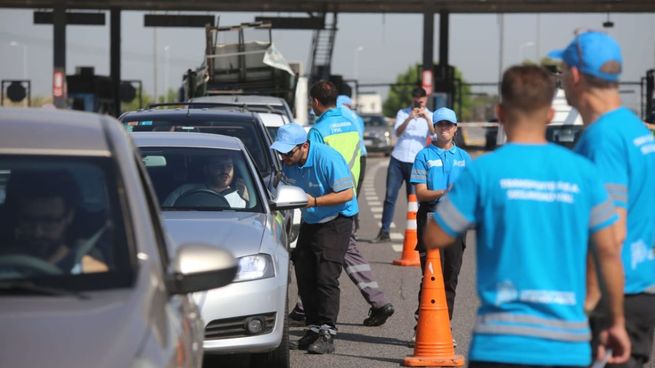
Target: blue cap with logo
[444, 114]
[593, 53]
[344, 100]
[289, 136]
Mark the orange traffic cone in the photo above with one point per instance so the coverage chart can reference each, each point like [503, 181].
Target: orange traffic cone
[434, 341]
[410, 257]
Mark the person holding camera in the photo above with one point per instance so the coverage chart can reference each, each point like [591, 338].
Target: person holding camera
[413, 126]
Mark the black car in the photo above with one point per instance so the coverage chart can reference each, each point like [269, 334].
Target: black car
[227, 120]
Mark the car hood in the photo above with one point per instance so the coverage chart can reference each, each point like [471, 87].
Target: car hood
[104, 330]
[239, 232]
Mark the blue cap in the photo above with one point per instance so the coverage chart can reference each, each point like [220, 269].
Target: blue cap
[344, 100]
[444, 113]
[289, 136]
[590, 52]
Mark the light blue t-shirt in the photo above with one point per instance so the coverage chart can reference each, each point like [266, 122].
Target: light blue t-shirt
[624, 152]
[439, 168]
[325, 171]
[533, 208]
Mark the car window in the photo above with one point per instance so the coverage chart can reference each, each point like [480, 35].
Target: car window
[272, 131]
[61, 223]
[201, 179]
[374, 121]
[248, 133]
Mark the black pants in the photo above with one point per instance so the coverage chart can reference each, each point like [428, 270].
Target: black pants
[501, 365]
[451, 259]
[639, 310]
[318, 259]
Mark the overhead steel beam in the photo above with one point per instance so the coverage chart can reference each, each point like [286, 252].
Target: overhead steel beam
[293, 22]
[164, 20]
[72, 18]
[354, 6]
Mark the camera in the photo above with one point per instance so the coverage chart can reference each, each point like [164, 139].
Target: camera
[417, 105]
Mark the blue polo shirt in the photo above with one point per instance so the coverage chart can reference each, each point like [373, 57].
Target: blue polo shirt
[624, 152]
[533, 208]
[325, 171]
[439, 168]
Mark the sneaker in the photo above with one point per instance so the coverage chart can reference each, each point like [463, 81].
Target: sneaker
[304, 342]
[296, 318]
[378, 316]
[383, 237]
[323, 345]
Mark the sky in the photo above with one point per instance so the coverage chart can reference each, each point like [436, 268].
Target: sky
[373, 47]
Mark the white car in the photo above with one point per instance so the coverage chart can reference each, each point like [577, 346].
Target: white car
[210, 192]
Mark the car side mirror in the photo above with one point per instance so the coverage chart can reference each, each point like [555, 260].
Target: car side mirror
[198, 267]
[289, 197]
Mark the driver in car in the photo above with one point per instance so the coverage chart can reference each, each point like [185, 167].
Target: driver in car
[219, 175]
[43, 236]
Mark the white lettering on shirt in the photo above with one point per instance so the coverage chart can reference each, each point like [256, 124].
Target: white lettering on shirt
[459, 163]
[540, 191]
[506, 292]
[645, 143]
[640, 253]
[435, 163]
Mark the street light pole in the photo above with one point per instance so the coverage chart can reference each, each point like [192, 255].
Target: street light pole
[15, 44]
[166, 51]
[525, 44]
[356, 62]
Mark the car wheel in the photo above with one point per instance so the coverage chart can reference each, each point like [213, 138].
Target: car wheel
[278, 358]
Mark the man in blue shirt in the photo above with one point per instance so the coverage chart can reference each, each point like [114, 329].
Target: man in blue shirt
[623, 150]
[337, 126]
[324, 232]
[435, 169]
[413, 126]
[535, 206]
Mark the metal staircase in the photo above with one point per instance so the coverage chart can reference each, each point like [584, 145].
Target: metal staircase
[323, 42]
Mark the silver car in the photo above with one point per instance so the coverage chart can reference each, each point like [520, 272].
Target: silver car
[86, 279]
[210, 192]
[378, 134]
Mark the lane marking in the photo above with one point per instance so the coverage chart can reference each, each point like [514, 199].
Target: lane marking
[374, 203]
[377, 216]
[397, 247]
[396, 236]
[376, 209]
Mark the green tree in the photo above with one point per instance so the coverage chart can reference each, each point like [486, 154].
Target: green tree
[400, 95]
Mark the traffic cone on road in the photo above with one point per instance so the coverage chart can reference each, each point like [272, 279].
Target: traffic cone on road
[434, 340]
[410, 257]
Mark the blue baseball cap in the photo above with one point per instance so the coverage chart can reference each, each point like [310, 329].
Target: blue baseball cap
[591, 52]
[289, 136]
[446, 114]
[344, 100]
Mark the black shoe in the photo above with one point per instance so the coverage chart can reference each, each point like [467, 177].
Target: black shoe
[323, 345]
[377, 317]
[383, 237]
[296, 318]
[304, 342]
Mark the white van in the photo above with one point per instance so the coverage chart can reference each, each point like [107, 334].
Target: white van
[564, 129]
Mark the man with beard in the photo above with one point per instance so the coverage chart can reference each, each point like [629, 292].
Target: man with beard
[44, 206]
[219, 175]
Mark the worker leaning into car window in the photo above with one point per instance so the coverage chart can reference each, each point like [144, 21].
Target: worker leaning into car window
[324, 232]
[435, 169]
[337, 126]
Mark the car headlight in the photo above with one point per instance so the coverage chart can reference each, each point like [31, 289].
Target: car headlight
[258, 266]
[387, 134]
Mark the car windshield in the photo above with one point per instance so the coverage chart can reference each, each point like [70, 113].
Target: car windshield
[201, 179]
[248, 134]
[374, 121]
[61, 224]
